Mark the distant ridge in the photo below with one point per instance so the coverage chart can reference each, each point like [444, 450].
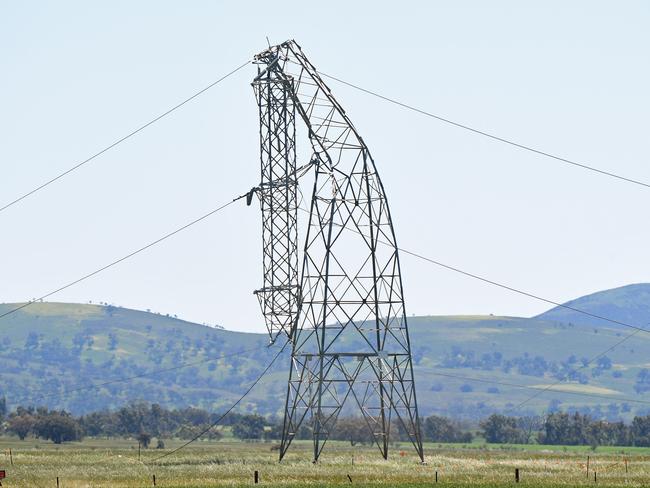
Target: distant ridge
[629, 304]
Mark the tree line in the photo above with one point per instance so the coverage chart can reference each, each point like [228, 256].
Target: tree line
[144, 422]
[561, 428]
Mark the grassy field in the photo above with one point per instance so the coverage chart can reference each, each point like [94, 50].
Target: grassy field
[115, 463]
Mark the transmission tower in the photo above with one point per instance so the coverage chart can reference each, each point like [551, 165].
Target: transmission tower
[344, 313]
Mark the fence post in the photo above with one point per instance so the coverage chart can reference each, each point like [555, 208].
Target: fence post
[57, 482]
[436, 476]
[595, 480]
[516, 475]
[587, 466]
[154, 480]
[256, 476]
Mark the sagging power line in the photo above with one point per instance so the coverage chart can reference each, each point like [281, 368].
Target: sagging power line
[123, 258]
[323, 91]
[519, 291]
[489, 135]
[584, 365]
[120, 140]
[218, 421]
[417, 255]
[339, 80]
[546, 300]
[99, 385]
[530, 295]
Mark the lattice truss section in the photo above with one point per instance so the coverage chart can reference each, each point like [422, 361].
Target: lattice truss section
[350, 337]
[278, 200]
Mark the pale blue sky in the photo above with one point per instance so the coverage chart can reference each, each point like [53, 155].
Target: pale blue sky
[567, 77]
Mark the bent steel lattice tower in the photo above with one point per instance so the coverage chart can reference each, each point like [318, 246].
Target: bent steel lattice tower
[344, 314]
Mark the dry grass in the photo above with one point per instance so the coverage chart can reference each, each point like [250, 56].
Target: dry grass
[115, 464]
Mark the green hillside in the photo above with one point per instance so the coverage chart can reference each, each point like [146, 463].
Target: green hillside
[49, 353]
[629, 304]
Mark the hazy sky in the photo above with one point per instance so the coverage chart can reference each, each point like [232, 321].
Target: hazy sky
[570, 78]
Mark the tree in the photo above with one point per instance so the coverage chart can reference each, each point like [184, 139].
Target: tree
[3, 408]
[641, 431]
[556, 428]
[94, 424]
[562, 428]
[195, 416]
[355, 430]
[32, 341]
[642, 381]
[273, 433]
[135, 418]
[442, 429]
[20, 425]
[58, 427]
[604, 363]
[530, 425]
[249, 427]
[112, 341]
[500, 429]
[188, 431]
[144, 439]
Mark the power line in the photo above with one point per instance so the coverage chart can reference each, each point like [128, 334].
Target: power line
[584, 365]
[496, 283]
[546, 300]
[124, 258]
[137, 376]
[487, 134]
[520, 291]
[216, 422]
[122, 139]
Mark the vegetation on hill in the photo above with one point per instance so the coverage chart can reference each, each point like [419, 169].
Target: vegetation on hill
[51, 353]
[629, 304]
[76, 357]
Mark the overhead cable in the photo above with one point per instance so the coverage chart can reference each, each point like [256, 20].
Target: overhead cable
[123, 258]
[218, 421]
[489, 135]
[119, 141]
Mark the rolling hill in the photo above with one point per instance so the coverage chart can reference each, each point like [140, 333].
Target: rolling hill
[78, 356]
[629, 304]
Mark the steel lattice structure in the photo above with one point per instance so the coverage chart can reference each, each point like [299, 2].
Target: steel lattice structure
[345, 313]
[278, 200]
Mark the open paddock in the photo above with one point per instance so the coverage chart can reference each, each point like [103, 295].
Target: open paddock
[114, 463]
